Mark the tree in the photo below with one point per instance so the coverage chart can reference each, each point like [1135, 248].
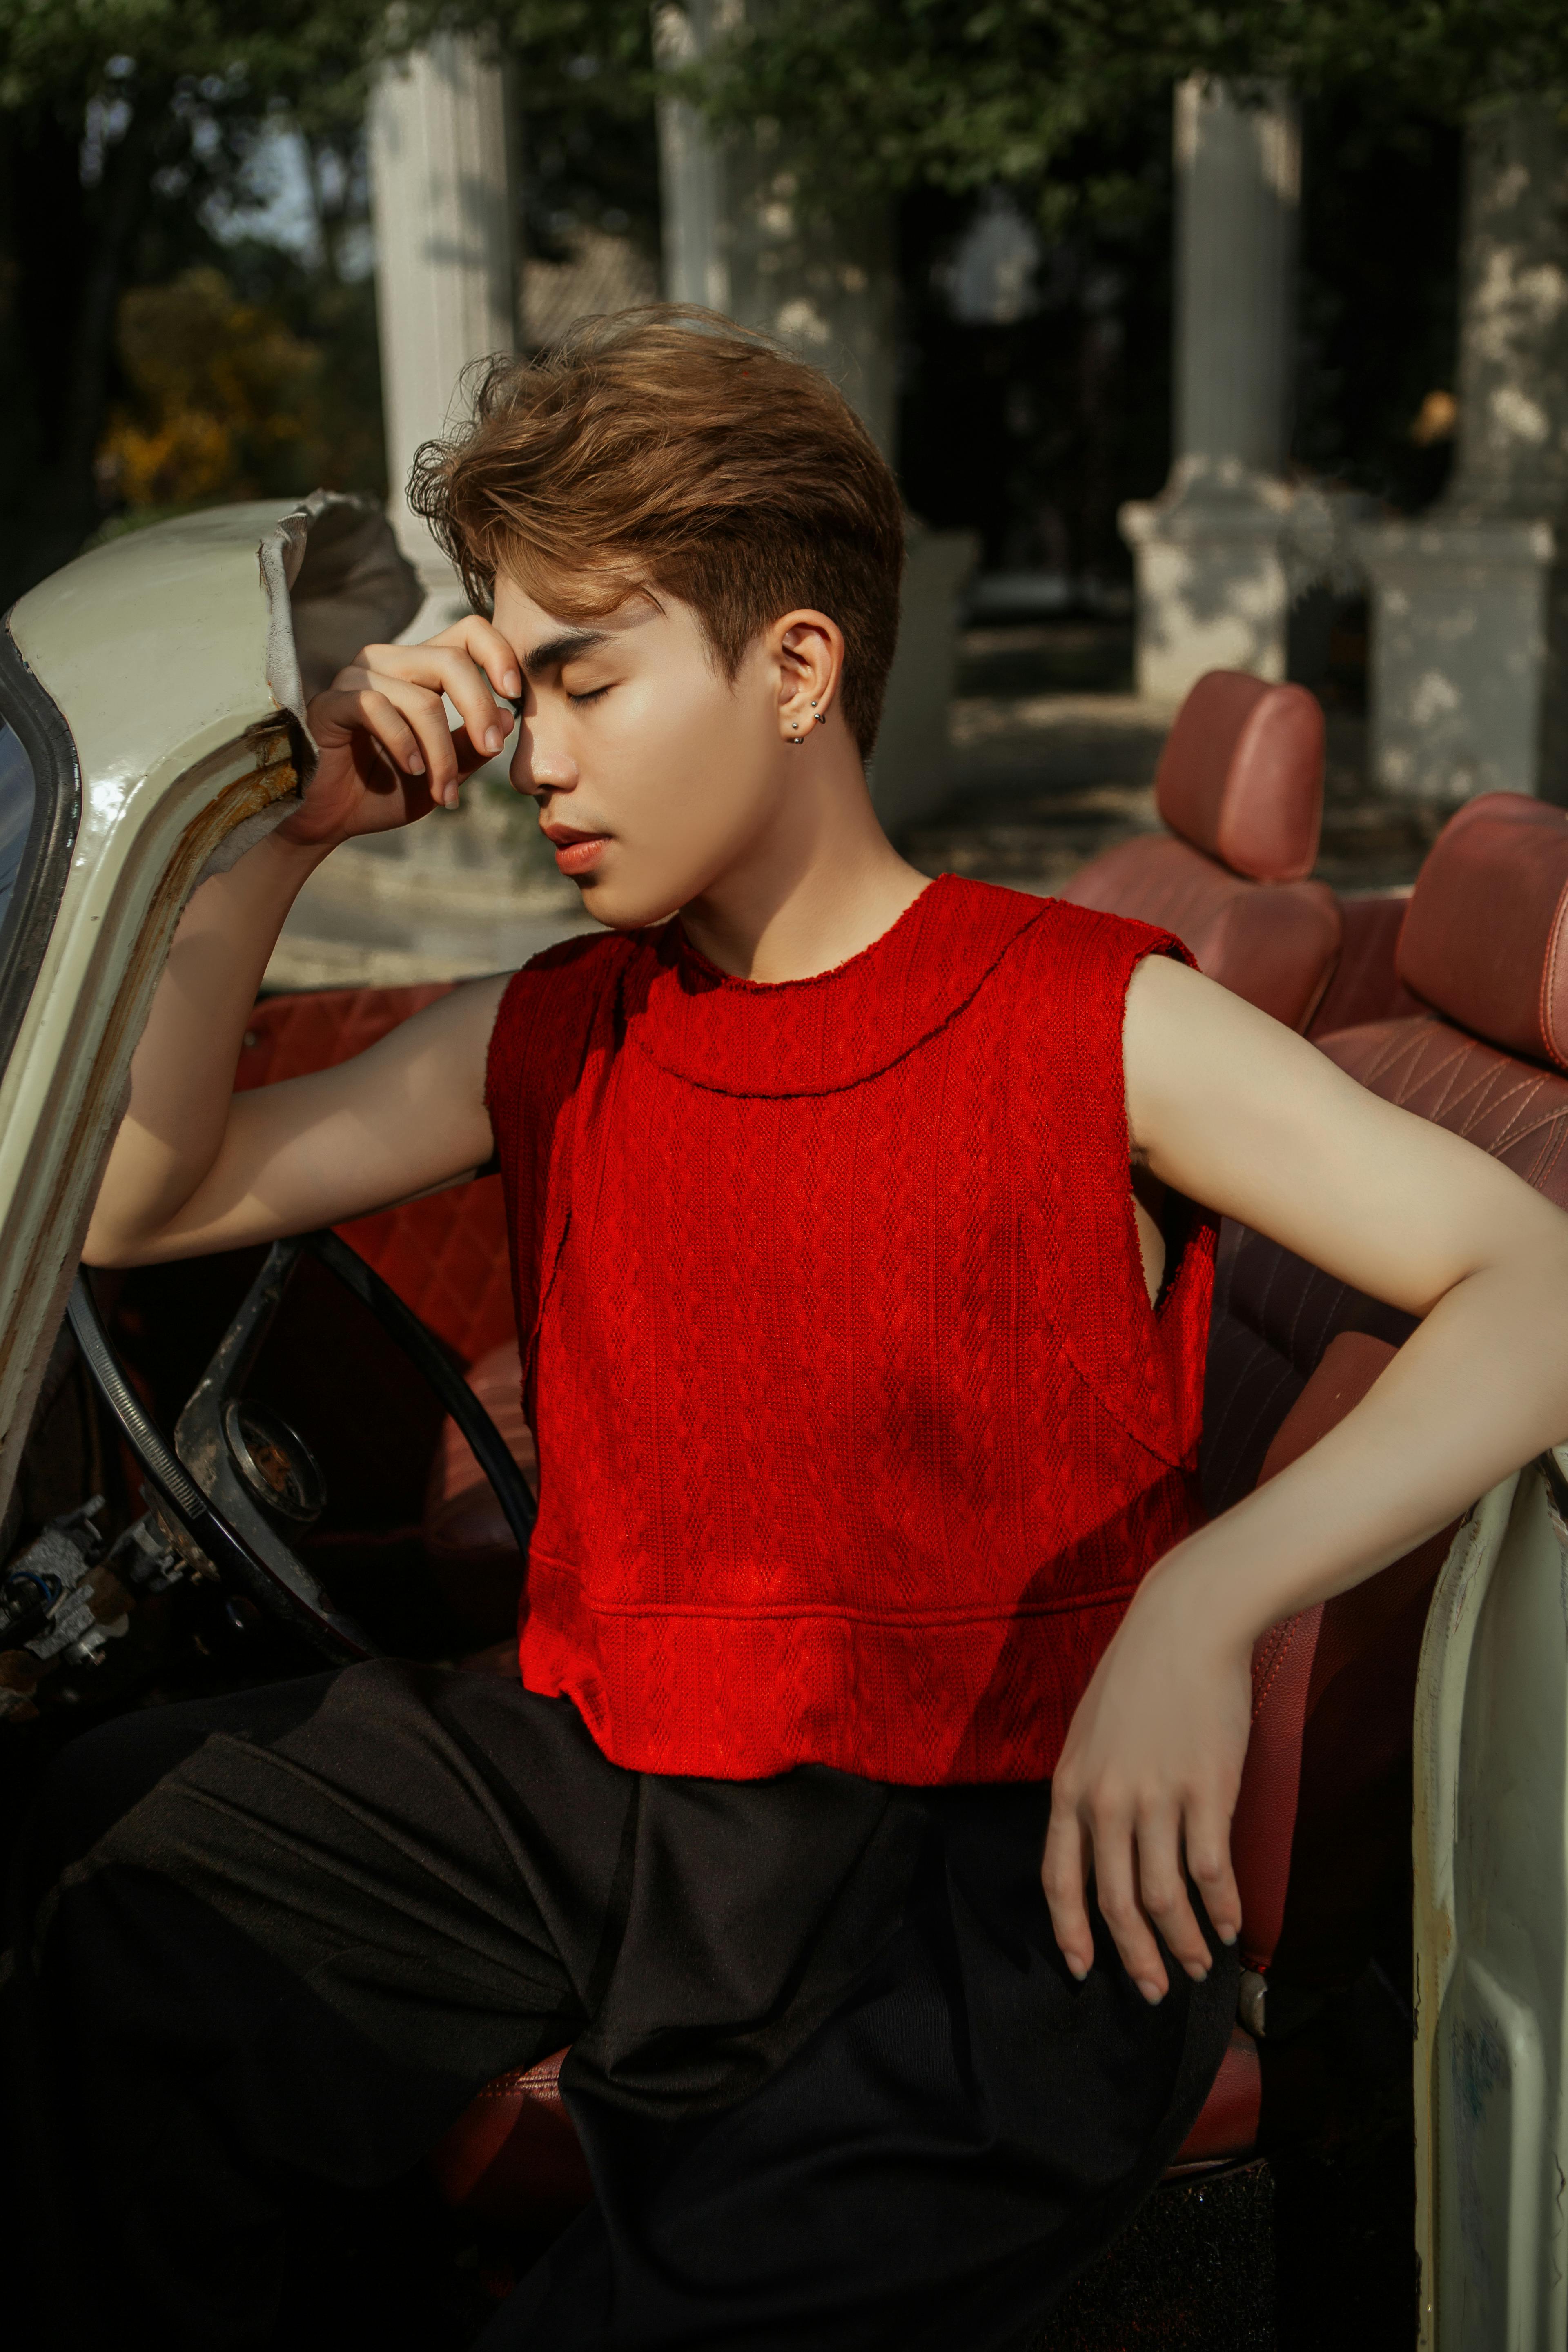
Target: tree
[882, 95]
[119, 125]
[102, 148]
[119, 120]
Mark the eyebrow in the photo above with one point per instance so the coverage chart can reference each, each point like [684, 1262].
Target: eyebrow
[555, 651]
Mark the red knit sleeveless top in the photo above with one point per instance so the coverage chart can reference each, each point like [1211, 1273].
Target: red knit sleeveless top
[857, 1429]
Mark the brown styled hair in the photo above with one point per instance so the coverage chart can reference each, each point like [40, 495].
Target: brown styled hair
[667, 448]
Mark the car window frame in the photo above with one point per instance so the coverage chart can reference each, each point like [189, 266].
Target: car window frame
[40, 728]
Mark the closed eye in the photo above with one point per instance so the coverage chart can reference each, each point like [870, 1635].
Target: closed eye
[592, 695]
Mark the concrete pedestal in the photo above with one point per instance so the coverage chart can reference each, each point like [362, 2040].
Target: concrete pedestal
[1469, 626]
[1214, 586]
[911, 769]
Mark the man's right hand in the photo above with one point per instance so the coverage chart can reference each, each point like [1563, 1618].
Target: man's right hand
[388, 753]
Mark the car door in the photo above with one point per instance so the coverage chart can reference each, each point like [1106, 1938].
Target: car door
[152, 697]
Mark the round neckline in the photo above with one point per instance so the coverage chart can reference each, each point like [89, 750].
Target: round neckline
[712, 970]
[826, 1030]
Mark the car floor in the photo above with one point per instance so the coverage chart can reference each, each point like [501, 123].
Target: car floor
[1286, 2255]
[1282, 2256]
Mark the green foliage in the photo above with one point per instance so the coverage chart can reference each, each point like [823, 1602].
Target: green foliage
[120, 121]
[883, 95]
[316, 55]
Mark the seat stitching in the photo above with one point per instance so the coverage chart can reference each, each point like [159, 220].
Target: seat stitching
[1549, 976]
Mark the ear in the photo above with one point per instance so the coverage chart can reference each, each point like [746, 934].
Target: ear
[807, 650]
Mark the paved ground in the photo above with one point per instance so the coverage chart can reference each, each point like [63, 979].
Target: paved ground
[1053, 760]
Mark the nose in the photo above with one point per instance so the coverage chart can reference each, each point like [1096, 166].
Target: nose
[539, 762]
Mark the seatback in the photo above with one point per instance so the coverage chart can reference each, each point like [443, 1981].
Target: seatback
[1324, 1811]
[444, 1255]
[1366, 983]
[1240, 786]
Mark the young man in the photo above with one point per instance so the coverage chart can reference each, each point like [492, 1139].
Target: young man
[870, 1616]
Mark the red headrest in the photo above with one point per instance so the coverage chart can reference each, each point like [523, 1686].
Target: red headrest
[1485, 939]
[1241, 775]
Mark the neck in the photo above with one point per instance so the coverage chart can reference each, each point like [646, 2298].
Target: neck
[822, 884]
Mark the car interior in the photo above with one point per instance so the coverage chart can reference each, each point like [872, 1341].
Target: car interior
[1443, 999]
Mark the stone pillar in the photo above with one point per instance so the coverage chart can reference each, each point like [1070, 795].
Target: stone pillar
[446, 270]
[741, 237]
[1469, 682]
[1211, 550]
[467, 892]
[691, 175]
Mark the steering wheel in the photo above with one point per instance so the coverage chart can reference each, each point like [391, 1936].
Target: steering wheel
[238, 1479]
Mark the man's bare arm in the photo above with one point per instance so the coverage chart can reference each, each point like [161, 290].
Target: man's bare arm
[1234, 1110]
[196, 1168]
[402, 1117]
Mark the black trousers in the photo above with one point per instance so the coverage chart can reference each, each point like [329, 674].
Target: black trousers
[835, 2087]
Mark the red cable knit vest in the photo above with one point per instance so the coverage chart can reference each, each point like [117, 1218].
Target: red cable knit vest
[856, 1427]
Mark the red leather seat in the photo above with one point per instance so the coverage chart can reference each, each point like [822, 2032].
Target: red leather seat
[1241, 785]
[1366, 983]
[1323, 1815]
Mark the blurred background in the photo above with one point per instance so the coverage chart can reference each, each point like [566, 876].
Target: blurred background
[1197, 335]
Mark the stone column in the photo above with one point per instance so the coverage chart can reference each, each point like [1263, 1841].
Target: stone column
[741, 237]
[1469, 687]
[1212, 586]
[691, 175]
[445, 271]
[464, 893]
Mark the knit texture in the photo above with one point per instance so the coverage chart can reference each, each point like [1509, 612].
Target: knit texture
[856, 1427]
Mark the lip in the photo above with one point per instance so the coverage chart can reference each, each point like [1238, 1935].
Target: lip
[576, 853]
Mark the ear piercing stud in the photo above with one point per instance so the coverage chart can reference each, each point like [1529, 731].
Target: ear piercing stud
[821, 716]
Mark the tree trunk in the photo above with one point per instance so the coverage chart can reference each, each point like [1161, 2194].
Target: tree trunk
[64, 253]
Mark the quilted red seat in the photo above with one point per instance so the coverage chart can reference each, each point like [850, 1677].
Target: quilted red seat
[1324, 1813]
[1240, 786]
[444, 1255]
